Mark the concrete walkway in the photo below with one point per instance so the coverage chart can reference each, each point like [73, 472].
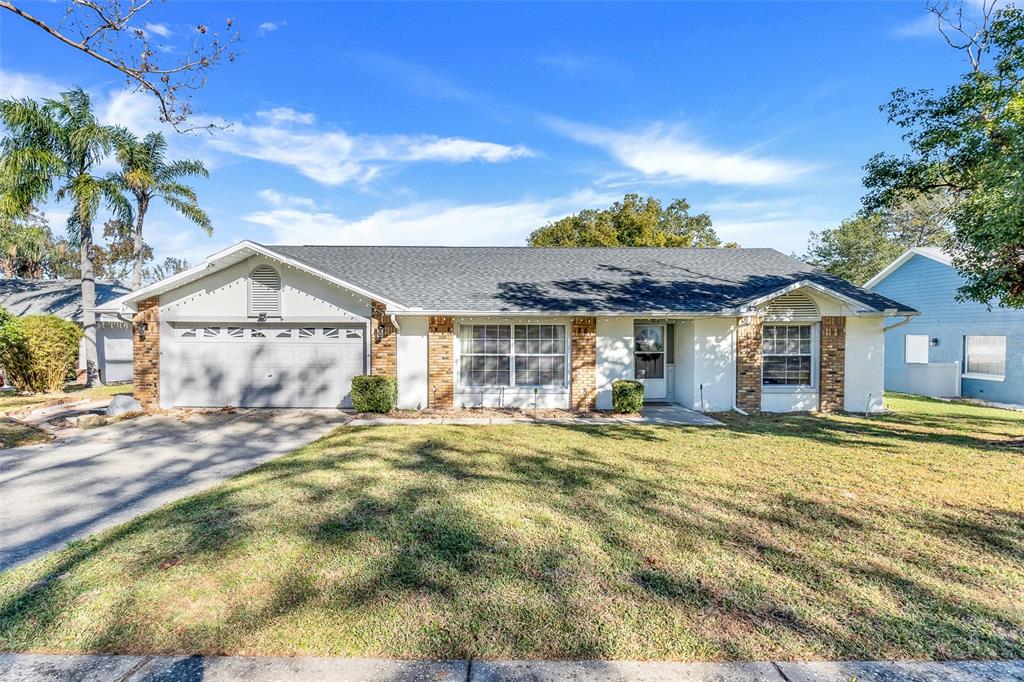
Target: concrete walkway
[33, 668]
[76, 485]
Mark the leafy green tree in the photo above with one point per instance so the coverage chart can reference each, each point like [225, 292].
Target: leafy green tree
[53, 148]
[634, 221]
[855, 250]
[170, 266]
[968, 145]
[147, 175]
[861, 246]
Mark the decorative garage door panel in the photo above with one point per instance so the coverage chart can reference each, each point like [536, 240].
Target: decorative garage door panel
[266, 366]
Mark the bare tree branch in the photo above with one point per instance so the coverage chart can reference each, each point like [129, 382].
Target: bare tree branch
[963, 32]
[106, 32]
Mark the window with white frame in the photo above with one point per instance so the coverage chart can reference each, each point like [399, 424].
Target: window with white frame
[787, 355]
[985, 356]
[916, 349]
[512, 355]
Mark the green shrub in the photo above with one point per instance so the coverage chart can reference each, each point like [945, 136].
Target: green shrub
[627, 396]
[37, 352]
[372, 393]
[6, 316]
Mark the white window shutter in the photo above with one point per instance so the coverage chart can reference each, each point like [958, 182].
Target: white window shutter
[917, 349]
[264, 292]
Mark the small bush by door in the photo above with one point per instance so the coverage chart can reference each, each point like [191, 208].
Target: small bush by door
[374, 393]
[627, 396]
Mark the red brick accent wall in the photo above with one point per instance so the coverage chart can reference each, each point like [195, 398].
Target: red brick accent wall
[146, 352]
[440, 362]
[832, 374]
[748, 363]
[383, 353]
[583, 381]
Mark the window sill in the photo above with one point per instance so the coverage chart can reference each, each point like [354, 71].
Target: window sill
[513, 389]
[983, 377]
[794, 390]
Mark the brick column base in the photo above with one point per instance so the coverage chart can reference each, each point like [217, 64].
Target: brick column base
[146, 352]
[748, 363]
[832, 370]
[583, 381]
[440, 363]
[384, 353]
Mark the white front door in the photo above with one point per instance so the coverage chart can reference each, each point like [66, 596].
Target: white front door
[649, 359]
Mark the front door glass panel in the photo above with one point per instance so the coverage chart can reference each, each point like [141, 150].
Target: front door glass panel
[649, 351]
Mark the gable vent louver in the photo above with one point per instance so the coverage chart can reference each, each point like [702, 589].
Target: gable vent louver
[794, 306]
[264, 292]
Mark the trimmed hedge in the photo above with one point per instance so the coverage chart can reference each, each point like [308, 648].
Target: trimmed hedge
[374, 393]
[627, 396]
[38, 352]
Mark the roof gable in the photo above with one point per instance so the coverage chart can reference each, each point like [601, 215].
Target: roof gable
[933, 252]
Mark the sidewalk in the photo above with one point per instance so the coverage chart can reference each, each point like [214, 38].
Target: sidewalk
[37, 667]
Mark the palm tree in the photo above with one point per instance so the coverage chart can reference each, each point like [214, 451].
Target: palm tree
[146, 175]
[53, 147]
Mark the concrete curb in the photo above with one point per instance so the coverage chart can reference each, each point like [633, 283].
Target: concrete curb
[90, 668]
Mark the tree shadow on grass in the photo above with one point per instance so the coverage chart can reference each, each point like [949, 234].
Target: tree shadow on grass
[531, 541]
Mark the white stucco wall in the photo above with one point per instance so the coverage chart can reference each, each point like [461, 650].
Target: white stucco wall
[223, 295]
[792, 400]
[865, 364]
[714, 363]
[412, 362]
[614, 356]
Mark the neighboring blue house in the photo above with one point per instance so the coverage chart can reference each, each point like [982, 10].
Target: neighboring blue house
[952, 348]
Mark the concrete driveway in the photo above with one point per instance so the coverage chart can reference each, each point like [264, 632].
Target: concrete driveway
[72, 487]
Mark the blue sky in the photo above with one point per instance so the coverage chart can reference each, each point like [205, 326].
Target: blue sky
[463, 123]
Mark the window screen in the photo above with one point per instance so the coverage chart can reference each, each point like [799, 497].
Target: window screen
[787, 355]
[985, 355]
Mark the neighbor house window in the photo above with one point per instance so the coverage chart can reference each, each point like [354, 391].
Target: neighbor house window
[512, 355]
[787, 355]
[916, 349]
[985, 356]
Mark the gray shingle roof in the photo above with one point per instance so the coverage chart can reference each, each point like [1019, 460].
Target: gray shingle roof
[61, 297]
[595, 280]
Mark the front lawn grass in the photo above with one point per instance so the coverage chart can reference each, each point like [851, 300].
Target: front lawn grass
[786, 537]
[14, 434]
[11, 401]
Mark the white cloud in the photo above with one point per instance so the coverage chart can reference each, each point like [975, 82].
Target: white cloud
[668, 151]
[286, 115]
[279, 199]
[269, 27]
[20, 85]
[159, 29]
[429, 223]
[334, 157]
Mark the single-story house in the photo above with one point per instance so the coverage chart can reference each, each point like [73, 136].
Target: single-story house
[63, 298]
[953, 348]
[711, 329]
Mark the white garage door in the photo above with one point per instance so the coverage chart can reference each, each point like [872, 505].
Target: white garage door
[261, 366]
